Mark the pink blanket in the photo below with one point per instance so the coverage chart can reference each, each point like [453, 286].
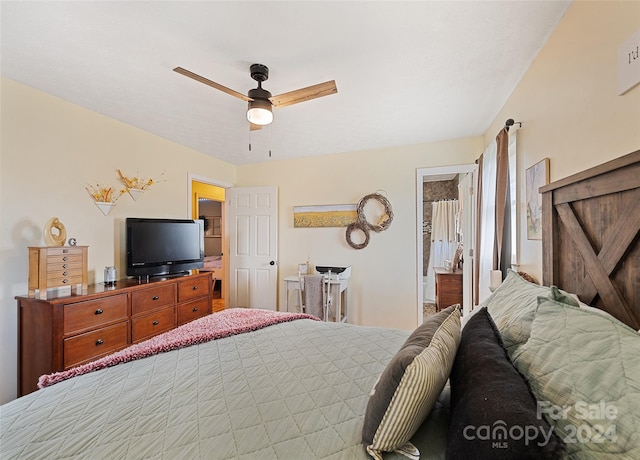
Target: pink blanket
[211, 327]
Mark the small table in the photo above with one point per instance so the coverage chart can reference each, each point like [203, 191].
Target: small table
[293, 284]
[448, 287]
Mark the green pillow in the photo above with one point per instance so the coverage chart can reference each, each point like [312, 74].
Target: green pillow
[563, 297]
[584, 369]
[512, 306]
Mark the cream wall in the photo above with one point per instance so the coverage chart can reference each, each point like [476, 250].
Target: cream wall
[50, 149]
[382, 289]
[568, 102]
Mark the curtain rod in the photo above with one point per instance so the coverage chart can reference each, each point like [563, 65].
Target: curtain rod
[508, 124]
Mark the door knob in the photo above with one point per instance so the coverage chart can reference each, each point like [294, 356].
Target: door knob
[273, 262]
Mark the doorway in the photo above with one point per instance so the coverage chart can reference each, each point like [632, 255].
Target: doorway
[207, 201]
[465, 196]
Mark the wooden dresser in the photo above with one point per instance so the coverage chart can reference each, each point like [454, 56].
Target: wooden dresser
[448, 287]
[63, 332]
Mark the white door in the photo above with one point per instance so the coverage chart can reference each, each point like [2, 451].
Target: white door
[253, 246]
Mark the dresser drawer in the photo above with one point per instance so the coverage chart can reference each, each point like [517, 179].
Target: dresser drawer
[447, 300]
[91, 345]
[146, 326]
[450, 283]
[64, 251]
[58, 266]
[94, 313]
[193, 310]
[60, 279]
[152, 298]
[192, 288]
[60, 261]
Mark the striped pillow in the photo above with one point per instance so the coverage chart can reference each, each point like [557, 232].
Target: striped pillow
[408, 387]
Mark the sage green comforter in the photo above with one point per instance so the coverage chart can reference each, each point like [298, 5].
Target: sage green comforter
[296, 390]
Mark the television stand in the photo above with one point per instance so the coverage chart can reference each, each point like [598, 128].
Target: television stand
[66, 331]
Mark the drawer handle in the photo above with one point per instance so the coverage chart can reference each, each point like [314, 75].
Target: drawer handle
[65, 273]
[99, 311]
[99, 342]
[155, 297]
[195, 309]
[65, 266]
[65, 258]
[156, 322]
[195, 288]
[65, 281]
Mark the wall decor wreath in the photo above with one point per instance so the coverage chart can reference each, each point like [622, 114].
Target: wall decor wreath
[363, 225]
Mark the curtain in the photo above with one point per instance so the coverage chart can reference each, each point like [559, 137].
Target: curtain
[445, 226]
[486, 220]
[496, 241]
[502, 244]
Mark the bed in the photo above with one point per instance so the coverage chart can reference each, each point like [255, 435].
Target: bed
[535, 372]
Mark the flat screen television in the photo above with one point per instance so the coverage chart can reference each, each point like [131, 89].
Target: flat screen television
[157, 247]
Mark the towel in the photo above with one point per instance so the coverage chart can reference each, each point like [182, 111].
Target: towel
[313, 295]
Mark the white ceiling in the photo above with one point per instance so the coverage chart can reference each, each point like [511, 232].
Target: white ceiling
[406, 72]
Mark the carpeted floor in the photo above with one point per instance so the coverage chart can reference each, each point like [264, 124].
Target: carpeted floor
[428, 309]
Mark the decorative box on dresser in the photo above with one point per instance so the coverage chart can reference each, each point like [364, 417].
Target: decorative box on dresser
[57, 266]
[58, 333]
[448, 287]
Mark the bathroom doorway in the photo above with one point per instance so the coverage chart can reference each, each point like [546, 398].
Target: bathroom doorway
[441, 184]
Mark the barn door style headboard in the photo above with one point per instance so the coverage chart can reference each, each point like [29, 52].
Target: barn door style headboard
[590, 236]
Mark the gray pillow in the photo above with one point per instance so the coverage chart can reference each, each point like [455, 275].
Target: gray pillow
[408, 387]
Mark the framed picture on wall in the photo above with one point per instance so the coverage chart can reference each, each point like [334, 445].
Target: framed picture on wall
[536, 176]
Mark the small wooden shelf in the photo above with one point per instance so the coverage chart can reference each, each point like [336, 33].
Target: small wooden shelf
[214, 227]
[448, 287]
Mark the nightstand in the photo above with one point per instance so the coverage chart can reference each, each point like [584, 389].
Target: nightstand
[448, 287]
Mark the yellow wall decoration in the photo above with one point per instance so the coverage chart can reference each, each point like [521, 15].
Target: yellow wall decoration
[339, 215]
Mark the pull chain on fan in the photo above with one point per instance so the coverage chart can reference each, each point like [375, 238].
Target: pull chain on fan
[269, 140]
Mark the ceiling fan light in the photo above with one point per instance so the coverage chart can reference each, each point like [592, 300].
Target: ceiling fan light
[259, 112]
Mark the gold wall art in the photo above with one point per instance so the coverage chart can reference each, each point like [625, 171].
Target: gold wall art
[338, 215]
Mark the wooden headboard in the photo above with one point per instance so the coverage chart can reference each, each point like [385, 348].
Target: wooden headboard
[590, 236]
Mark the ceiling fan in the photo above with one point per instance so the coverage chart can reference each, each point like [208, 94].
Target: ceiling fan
[260, 100]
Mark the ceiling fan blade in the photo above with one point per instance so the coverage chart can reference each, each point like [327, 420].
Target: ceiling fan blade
[254, 127]
[304, 94]
[213, 84]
